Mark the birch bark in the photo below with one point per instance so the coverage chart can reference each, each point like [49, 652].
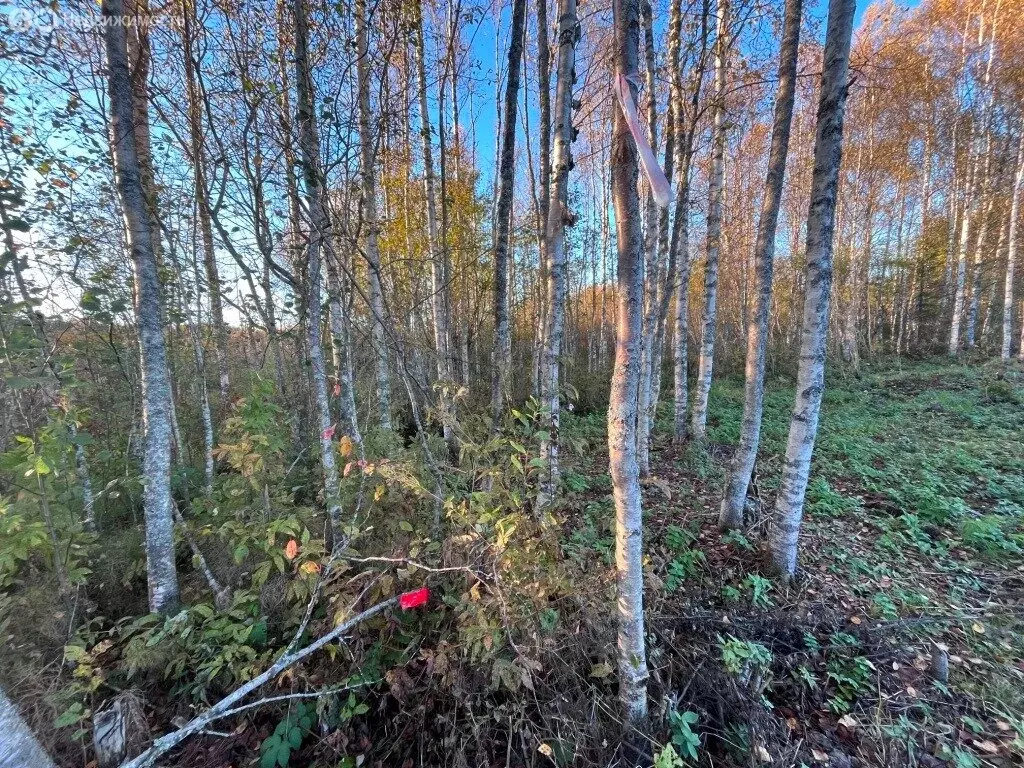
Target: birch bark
[828, 148]
[156, 386]
[709, 317]
[558, 217]
[622, 407]
[319, 236]
[1011, 257]
[734, 501]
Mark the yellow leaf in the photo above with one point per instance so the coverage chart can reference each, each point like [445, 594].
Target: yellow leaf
[345, 445]
[978, 627]
[378, 494]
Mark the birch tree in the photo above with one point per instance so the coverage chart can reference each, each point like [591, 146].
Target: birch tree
[622, 403]
[734, 501]
[502, 350]
[810, 383]
[319, 239]
[709, 324]
[1011, 256]
[558, 216]
[156, 385]
[369, 219]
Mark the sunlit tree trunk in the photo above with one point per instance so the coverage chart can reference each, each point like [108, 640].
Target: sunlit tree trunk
[543, 193]
[622, 405]
[982, 122]
[810, 384]
[319, 237]
[1011, 256]
[652, 257]
[987, 205]
[558, 216]
[502, 351]
[733, 503]
[156, 385]
[709, 317]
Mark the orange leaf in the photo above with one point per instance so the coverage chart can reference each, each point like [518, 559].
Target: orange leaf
[310, 567]
[291, 549]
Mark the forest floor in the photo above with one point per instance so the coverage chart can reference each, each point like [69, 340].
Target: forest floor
[911, 552]
[911, 546]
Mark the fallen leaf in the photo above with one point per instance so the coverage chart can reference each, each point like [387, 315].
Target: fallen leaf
[601, 670]
[291, 549]
[990, 747]
[310, 567]
[545, 749]
[855, 619]
[763, 754]
[848, 720]
[821, 757]
[978, 627]
[911, 691]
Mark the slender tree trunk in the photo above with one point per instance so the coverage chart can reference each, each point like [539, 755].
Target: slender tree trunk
[558, 217]
[709, 322]
[681, 228]
[341, 354]
[987, 204]
[439, 286]
[1011, 256]
[319, 239]
[651, 255]
[369, 199]
[733, 503]
[544, 186]
[502, 351]
[198, 150]
[156, 385]
[810, 385]
[622, 413]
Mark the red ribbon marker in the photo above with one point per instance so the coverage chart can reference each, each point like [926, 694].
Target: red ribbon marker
[414, 599]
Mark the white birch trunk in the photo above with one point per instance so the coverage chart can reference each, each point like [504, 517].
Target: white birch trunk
[622, 413]
[558, 217]
[1011, 256]
[156, 385]
[370, 225]
[709, 318]
[810, 385]
[734, 501]
[319, 238]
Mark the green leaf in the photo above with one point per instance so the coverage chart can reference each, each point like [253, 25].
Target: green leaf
[295, 737]
[284, 754]
[269, 757]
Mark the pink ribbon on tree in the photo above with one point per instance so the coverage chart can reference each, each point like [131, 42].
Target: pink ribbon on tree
[660, 187]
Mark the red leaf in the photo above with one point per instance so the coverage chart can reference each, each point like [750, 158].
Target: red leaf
[337, 390]
[414, 599]
[328, 433]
